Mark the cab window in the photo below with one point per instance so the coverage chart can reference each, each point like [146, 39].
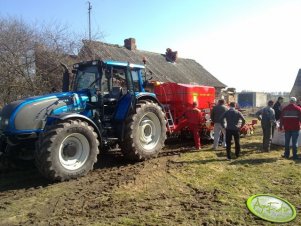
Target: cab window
[85, 78]
[135, 80]
[119, 78]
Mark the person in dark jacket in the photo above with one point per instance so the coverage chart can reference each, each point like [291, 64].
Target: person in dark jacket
[267, 117]
[290, 120]
[215, 115]
[277, 108]
[232, 118]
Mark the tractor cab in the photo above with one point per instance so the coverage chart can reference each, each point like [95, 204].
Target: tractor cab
[107, 83]
[106, 76]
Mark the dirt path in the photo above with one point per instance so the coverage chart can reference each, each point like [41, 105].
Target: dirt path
[27, 199]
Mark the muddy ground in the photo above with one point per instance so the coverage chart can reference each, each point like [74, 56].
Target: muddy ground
[26, 198]
[180, 187]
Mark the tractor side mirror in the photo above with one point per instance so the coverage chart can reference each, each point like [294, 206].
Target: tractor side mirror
[66, 78]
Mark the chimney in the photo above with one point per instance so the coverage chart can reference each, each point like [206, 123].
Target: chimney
[171, 56]
[130, 44]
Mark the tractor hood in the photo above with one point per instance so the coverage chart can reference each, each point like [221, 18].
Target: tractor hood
[29, 115]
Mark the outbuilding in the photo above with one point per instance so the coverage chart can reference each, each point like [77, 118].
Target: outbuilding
[251, 99]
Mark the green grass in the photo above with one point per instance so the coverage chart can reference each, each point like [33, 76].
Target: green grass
[204, 188]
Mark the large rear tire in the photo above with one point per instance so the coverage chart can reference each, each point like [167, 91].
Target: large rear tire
[67, 150]
[145, 132]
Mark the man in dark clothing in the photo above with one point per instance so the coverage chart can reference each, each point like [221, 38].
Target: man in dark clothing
[267, 117]
[290, 120]
[277, 108]
[216, 114]
[233, 118]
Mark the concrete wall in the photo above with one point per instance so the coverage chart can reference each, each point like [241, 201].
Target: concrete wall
[261, 99]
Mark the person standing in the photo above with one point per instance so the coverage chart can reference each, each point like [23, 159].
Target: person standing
[215, 115]
[193, 117]
[277, 108]
[267, 117]
[290, 120]
[232, 118]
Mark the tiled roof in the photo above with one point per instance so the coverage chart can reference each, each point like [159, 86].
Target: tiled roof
[182, 71]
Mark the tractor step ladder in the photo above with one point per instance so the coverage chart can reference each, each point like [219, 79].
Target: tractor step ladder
[170, 122]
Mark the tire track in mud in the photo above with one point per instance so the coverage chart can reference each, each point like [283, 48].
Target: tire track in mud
[201, 202]
[86, 200]
[63, 203]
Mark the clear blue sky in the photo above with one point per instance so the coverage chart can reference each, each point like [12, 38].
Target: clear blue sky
[247, 44]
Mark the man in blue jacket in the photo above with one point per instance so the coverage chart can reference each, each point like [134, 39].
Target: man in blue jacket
[267, 117]
[233, 119]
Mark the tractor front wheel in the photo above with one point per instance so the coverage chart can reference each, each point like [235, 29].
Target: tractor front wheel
[67, 150]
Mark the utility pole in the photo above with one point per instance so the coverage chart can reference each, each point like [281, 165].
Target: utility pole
[89, 12]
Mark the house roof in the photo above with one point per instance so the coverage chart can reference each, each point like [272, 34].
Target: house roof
[296, 90]
[182, 71]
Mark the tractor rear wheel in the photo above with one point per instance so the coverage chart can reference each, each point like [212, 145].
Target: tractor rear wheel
[145, 132]
[67, 150]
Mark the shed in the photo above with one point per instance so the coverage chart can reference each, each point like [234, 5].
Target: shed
[251, 99]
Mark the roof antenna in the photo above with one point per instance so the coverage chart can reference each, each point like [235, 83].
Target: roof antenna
[89, 12]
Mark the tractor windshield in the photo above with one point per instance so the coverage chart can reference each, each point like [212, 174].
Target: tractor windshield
[87, 78]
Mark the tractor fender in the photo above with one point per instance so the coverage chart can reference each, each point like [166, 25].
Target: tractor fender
[66, 116]
[149, 97]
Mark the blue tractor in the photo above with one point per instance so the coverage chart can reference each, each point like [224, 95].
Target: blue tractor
[64, 132]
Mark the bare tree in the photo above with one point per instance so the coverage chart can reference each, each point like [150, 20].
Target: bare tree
[30, 58]
[55, 45]
[16, 41]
